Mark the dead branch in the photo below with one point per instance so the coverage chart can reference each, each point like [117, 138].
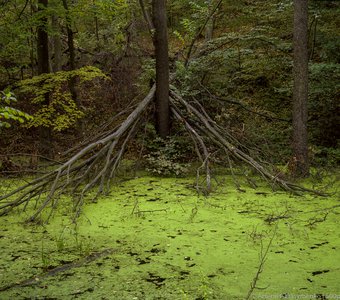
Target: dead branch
[262, 259]
[59, 269]
[94, 164]
[101, 132]
[199, 146]
[208, 127]
[147, 18]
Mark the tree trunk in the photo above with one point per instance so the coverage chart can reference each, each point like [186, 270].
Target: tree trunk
[300, 164]
[56, 42]
[146, 17]
[162, 68]
[42, 41]
[96, 26]
[210, 25]
[45, 134]
[32, 41]
[72, 56]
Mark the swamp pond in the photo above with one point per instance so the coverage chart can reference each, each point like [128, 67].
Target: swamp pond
[156, 238]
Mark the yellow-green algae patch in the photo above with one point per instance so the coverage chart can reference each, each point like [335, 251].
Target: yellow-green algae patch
[167, 242]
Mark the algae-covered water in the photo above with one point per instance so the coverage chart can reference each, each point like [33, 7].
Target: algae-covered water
[156, 238]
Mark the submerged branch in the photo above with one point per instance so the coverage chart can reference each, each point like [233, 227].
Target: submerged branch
[59, 269]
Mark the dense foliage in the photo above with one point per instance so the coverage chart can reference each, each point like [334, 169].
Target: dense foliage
[61, 112]
[8, 113]
[242, 73]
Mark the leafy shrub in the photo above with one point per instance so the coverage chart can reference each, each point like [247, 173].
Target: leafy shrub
[324, 104]
[9, 113]
[166, 157]
[61, 111]
[328, 157]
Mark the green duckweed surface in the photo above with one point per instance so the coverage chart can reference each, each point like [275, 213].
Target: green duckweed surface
[156, 238]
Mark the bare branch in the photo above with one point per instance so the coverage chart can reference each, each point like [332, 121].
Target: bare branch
[147, 18]
[80, 168]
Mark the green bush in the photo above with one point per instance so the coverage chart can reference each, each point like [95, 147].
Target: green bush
[324, 156]
[60, 111]
[165, 157]
[8, 113]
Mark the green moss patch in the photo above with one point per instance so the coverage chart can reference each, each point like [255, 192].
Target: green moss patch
[156, 238]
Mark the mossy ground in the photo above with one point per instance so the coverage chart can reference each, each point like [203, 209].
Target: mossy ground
[167, 242]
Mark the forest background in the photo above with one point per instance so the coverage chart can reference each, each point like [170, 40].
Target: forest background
[101, 62]
[77, 80]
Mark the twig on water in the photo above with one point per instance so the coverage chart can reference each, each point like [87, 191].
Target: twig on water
[262, 258]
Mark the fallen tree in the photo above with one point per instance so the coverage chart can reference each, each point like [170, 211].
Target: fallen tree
[96, 164]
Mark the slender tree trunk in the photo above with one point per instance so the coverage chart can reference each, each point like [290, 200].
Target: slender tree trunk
[32, 51]
[45, 147]
[300, 89]
[96, 26]
[71, 49]
[146, 17]
[42, 41]
[162, 67]
[32, 39]
[56, 42]
[210, 25]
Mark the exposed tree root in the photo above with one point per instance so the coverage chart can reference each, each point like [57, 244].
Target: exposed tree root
[97, 162]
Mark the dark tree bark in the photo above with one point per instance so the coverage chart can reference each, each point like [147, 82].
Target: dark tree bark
[300, 164]
[147, 17]
[210, 25]
[43, 67]
[42, 41]
[57, 46]
[96, 26]
[71, 50]
[162, 68]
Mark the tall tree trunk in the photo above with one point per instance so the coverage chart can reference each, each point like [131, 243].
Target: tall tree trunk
[162, 67]
[43, 67]
[71, 49]
[96, 25]
[300, 89]
[32, 40]
[146, 17]
[210, 25]
[42, 40]
[56, 42]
